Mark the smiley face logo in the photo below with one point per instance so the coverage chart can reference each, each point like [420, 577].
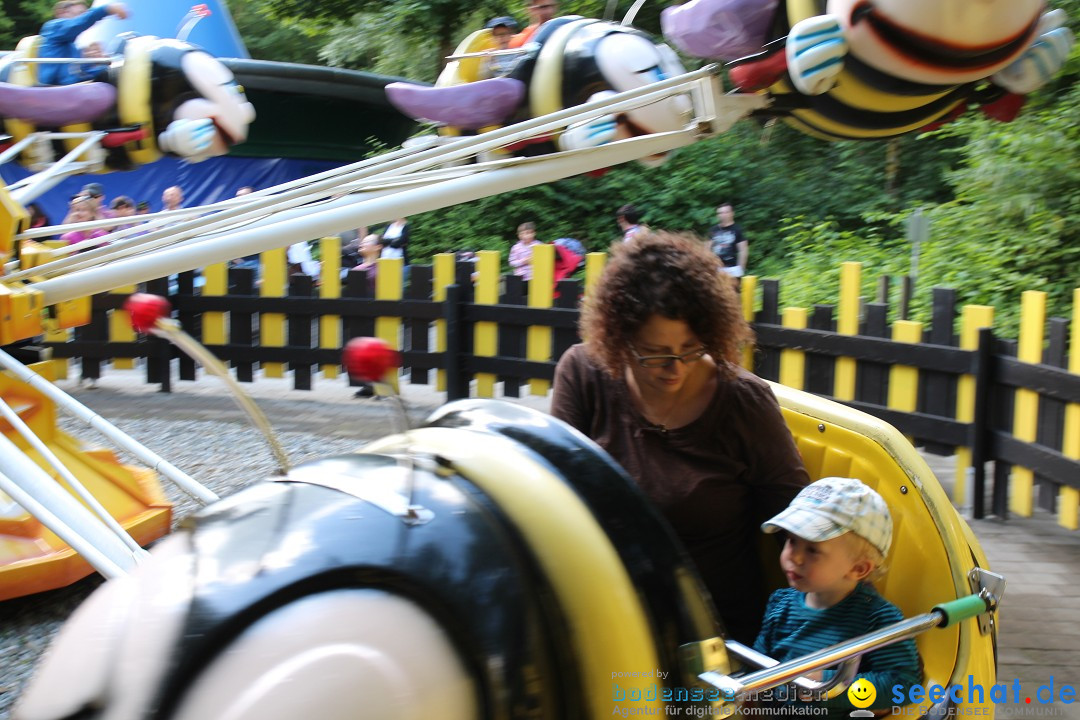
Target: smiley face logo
[862, 693]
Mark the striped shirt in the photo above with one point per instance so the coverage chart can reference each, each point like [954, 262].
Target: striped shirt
[791, 629]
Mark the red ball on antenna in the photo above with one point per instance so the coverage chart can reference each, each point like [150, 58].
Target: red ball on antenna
[368, 359]
[145, 309]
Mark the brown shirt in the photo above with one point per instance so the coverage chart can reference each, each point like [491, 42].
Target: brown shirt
[715, 480]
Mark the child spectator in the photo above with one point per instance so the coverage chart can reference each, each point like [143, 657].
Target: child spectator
[521, 252]
[838, 534]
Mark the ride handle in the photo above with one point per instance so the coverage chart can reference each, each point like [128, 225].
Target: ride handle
[963, 608]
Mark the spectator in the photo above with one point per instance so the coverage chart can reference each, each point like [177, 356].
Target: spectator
[629, 220]
[70, 19]
[123, 207]
[38, 218]
[82, 209]
[521, 252]
[395, 240]
[540, 11]
[728, 242]
[96, 193]
[569, 253]
[371, 248]
[300, 260]
[172, 198]
[142, 208]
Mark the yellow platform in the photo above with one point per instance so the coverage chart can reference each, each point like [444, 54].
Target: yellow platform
[32, 558]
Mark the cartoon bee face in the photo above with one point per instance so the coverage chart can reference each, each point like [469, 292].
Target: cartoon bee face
[938, 41]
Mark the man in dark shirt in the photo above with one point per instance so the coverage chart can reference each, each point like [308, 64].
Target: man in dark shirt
[70, 19]
[728, 242]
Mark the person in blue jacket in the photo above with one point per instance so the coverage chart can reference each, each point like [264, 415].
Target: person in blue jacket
[70, 19]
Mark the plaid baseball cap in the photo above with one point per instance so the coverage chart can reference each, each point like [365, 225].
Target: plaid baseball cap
[832, 507]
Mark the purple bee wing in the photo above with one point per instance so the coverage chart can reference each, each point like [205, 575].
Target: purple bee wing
[56, 106]
[471, 106]
[719, 29]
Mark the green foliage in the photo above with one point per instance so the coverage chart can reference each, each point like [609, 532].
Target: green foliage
[267, 38]
[19, 18]
[1003, 199]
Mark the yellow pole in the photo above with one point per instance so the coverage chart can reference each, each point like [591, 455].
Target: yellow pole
[541, 295]
[1026, 413]
[747, 293]
[120, 329]
[904, 379]
[1069, 497]
[216, 284]
[847, 323]
[330, 289]
[594, 267]
[388, 281]
[272, 325]
[793, 362]
[442, 276]
[972, 319]
[486, 334]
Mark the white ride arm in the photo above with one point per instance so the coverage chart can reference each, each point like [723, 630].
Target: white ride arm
[1041, 61]
[593, 132]
[815, 50]
[191, 139]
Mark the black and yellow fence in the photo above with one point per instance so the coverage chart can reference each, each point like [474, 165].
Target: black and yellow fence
[463, 326]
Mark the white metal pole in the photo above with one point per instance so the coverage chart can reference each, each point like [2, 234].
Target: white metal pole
[58, 510]
[118, 436]
[73, 482]
[528, 172]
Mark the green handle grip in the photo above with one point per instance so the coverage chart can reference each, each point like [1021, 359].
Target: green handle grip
[963, 608]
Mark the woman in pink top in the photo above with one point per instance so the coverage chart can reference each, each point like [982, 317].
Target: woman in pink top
[81, 210]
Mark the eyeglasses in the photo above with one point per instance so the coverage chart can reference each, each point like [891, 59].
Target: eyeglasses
[663, 361]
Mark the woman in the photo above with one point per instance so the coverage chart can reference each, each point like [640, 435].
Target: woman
[657, 385]
[82, 209]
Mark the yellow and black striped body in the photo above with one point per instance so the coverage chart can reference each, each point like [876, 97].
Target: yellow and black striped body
[867, 103]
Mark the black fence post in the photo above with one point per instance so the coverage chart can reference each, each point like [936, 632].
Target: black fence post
[982, 433]
[457, 386]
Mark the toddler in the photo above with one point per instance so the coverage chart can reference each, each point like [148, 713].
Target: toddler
[838, 534]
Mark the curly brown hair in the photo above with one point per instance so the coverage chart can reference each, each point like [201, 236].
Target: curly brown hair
[668, 274]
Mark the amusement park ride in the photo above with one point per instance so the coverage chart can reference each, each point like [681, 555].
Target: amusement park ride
[492, 563]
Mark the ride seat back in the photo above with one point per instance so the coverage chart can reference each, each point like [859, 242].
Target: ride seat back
[919, 571]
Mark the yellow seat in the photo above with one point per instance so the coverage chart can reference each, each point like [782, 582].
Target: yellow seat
[933, 550]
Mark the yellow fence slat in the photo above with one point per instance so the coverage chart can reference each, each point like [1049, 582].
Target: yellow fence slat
[120, 330]
[442, 277]
[1026, 411]
[486, 334]
[747, 294]
[1069, 497]
[215, 284]
[330, 289]
[388, 286]
[904, 379]
[594, 268]
[541, 295]
[272, 325]
[847, 323]
[972, 319]
[793, 362]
